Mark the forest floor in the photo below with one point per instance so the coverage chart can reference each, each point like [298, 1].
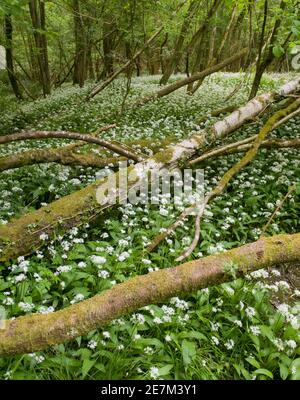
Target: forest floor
[246, 329]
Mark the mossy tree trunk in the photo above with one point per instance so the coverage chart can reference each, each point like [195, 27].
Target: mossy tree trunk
[38, 331]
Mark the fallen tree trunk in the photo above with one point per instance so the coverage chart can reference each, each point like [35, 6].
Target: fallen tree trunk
[61, 156]
[36, 332]
[68, 155]
[22, 236]
[111, 78]
[196, 77]
[30, 135]
[244, 145]
[217, 113]
[271, 143]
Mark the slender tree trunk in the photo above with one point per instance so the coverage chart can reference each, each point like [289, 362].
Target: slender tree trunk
[269, 57]
[197, 41]
[178, 49]
[9, 56]
[108, 32]
[79, 73]
[38, 18]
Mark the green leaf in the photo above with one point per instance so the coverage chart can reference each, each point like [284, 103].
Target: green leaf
[165, 370]
[278, 51]
[188, 352]
[86, 366]
[284, 372]
[253, 361]
[263, 371]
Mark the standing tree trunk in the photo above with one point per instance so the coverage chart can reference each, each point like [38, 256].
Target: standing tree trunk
[38, 18]
[269, 57]
[79, 73]
[196, 43]
[9, 56]
[108, 32]
[178, 49]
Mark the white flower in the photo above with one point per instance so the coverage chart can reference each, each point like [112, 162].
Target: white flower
[168, 338]
[63, 268]
[98, 260]
[92, 344]
[37, 277]
[44, 236]
[168, 310]
[103, 274]
[154, 372]
[163, 212]
[238, 323]
[46, 310]
[106, 335]
[229, 344]
[81, 264]
[215, 326]
[291, 343]
[123, 242]
[139, 318]
[148, 350]
[250, 312]
[20, 278]
[122, 257]
[255, 330]
[215, 340]
[78, 297]
[283, 285]
[181, 304]
[25, 306]
[8, 301]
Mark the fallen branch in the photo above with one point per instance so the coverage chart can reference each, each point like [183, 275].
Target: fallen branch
[36, 332]
[216, 113]
[291, 190]
[183, 82]
[110, 79]
[223, 182]
[68, 155]
[233, 148]
[30, 135]
[243, 145]
[23, 236]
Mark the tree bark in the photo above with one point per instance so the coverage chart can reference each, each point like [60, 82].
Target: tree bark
[29, 135]
[79, 73]
[178, 48]
[269, 56]
[36, 332]
[9, 56]
[69, 155]
[22, 236]
[37, 13]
